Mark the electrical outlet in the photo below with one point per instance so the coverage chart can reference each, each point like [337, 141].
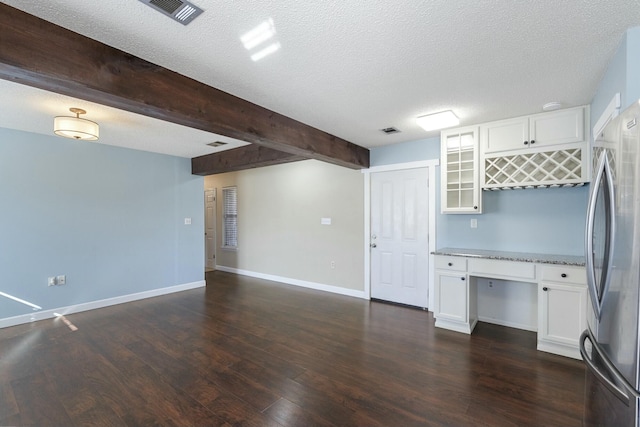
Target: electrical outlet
[474, 223]
[333, 265]
[51, 281]
[61, 280]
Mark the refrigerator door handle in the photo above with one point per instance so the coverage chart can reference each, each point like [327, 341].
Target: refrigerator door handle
[625, 396]
[595, 296]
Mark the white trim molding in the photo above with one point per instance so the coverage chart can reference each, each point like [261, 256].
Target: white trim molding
[610, 113]
[295, 282]
[92, 305]
[431, 167]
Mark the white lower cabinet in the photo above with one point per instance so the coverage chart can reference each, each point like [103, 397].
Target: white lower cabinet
[455, 302]
[562, 311]
[562, 297]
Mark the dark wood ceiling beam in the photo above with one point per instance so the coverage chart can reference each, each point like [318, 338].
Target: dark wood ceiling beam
[38, 53]
[241, 158]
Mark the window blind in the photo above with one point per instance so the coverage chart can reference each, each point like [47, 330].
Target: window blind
[230, 217]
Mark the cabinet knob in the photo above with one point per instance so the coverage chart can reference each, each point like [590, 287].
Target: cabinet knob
[462, 278]
[526, 143]
[545, 289]
[475, 207]
[563, 275]
[450, 264]
[532, 142]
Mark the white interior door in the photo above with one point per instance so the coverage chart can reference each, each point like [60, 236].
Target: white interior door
[210, 227]
[400, 236]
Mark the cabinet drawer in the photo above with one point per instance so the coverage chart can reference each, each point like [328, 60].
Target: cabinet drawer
[451, 263]
[564, 274]
[502, 269]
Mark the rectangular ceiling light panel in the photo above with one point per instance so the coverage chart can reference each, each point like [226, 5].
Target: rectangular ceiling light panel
[441, 120]
[181, 11]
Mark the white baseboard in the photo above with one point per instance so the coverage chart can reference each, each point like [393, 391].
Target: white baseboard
[562, 350]
[508, 324]
[295, 282]
[92, 305]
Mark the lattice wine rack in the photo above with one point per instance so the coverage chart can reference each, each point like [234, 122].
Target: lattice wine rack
[528, 170]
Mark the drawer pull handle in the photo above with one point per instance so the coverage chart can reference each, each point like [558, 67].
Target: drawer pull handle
[450, 264]
[563, 275]
[545, 289]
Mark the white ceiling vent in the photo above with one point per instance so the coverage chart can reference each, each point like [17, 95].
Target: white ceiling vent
[182, 11]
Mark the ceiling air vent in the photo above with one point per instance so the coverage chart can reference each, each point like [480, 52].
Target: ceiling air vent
[217, 144]
[178, 10]
[390, 131]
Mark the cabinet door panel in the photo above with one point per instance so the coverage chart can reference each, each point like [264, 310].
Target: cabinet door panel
[460, 174]
[563, 312]
[452, 297]
[505, 135]
[560, 127]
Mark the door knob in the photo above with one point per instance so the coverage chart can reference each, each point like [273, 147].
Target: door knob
[373, 245]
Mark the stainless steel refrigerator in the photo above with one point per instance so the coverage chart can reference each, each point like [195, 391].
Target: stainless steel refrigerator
[610, 345]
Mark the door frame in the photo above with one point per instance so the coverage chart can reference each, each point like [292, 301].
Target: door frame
[431, 170]
[215, 227]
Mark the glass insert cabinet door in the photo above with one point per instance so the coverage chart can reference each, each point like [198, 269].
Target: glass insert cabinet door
[460, 178]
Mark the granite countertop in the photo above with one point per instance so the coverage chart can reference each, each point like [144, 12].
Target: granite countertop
[513, 256]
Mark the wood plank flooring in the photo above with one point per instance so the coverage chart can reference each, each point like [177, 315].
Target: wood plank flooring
[244, 351]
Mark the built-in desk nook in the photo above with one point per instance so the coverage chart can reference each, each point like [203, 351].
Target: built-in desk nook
[538, 292]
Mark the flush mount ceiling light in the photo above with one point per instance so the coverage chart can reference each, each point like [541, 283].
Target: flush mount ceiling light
[551, 106]
[75, 127]
[258, 37]
[259, 34]
[441, 120]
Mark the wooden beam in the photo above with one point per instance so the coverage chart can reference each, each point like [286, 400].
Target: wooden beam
[30, 54]
[246, 157]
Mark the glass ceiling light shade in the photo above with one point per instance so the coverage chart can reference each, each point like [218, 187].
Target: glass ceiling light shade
[436, 121]
[75, 127]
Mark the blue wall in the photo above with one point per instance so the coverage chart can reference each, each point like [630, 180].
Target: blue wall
[110, 219]
[549, 220]
[622, 75]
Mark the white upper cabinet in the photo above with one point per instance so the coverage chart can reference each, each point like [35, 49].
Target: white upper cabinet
[558, 127]
[539, 130]
[505, 135]
[541, 150]
[460, 175]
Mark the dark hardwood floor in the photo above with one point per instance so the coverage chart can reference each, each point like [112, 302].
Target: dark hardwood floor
[244, 351]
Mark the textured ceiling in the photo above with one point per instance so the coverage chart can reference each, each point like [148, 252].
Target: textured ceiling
[351, 68]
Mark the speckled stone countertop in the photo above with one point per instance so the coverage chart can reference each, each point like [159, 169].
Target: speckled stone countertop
[513, 256]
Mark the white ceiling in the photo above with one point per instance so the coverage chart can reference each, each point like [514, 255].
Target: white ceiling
[32, 110]
[350, 67]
